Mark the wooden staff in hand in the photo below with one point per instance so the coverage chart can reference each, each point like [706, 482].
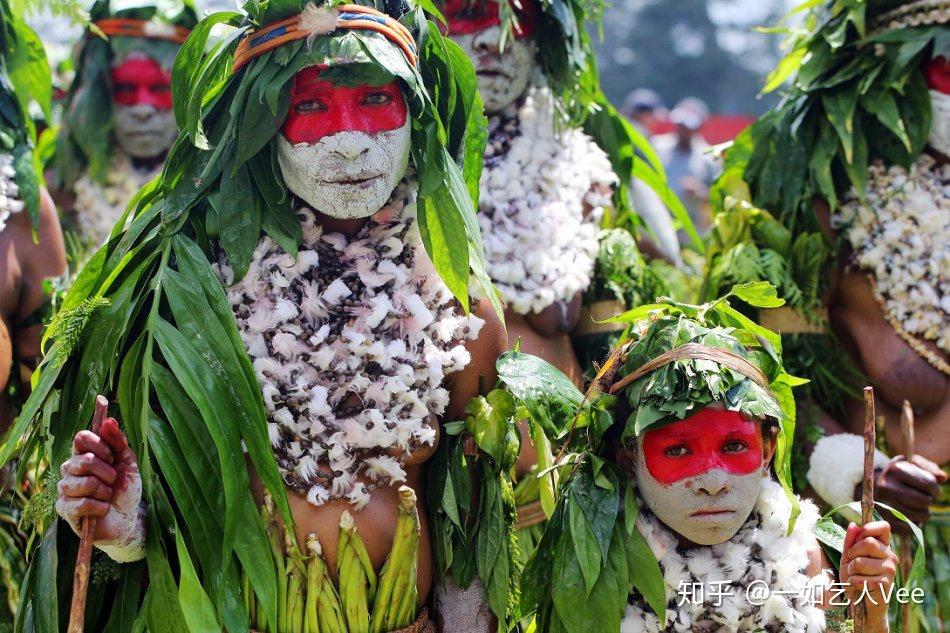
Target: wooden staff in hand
[867, 492]
[906, 553]
[77, 611]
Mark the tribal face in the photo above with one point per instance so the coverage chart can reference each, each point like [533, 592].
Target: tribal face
[344, 149]
[476, 27]
[937, 72]
[701, 476]
[142, 106]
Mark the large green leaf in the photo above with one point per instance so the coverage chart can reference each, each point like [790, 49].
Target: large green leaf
[549, 396]
[196, 607]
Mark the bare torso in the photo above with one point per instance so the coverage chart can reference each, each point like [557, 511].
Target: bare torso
[376, 521]
[24, 265]
[896, 371]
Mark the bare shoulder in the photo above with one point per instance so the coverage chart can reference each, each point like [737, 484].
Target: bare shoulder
[44, 256]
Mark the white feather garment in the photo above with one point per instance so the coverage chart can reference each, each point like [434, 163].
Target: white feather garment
[366, 317]
[539, 247]
[9, 191]
[760, 550]
[99, 206]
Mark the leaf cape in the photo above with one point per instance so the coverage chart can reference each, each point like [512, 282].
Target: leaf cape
[148, 321]
[855, 94]
[85, 142]
[24, 80]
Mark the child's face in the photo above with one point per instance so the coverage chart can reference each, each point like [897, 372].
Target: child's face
[701, 476]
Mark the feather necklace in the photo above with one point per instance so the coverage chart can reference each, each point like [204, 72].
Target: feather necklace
[539, 246]
[351, 344]
[706, 587]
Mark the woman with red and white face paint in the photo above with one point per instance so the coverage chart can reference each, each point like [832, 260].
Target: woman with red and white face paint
[343, 149]
[118, 122]
[350, 342]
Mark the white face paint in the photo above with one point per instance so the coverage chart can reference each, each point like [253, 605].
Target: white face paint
[502, 76]
[346, 175]
[143, 131]
[939, 138]
[708, 508]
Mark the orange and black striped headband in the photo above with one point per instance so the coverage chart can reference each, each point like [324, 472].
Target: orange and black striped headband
[315, 21]
[148, 29]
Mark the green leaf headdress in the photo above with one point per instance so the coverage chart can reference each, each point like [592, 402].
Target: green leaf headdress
[565, 54]
[856, 94]
[680, 358]
[24, 80]
[117, 28]
[147, 319]
[235, 117]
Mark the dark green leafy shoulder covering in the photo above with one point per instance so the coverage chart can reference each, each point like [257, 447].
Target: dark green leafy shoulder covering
[24, 80]
[855, 95]
[621, 275]
[146, 321]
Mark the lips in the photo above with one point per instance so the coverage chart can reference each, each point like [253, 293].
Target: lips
[361, 181]
[712, 513]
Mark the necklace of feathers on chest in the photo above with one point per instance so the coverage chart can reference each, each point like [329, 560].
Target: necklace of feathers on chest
[10, 202]
[901, 237]
[351, 345]
[706, 587]
[543, 192]
[98, 206]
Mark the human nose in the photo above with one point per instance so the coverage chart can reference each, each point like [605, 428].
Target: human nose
[486, 41]
[146, 103]
[354, 146]
[712, 483]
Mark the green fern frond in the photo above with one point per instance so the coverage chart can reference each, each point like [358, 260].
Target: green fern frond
[67, 326]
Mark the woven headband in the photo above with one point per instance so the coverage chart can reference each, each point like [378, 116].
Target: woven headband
[148, 29]
[315, 21]
[912, 14]
[698, 352]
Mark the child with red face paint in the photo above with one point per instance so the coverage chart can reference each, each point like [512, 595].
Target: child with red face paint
[118, 123]
[716, 540]
[329, 331]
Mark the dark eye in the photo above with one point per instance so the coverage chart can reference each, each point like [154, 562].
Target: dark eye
[377, 99]
[734, 446]
[676, 451]
[124, 88]
[311, 105]
[161, 88]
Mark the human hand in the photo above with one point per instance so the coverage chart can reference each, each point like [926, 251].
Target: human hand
[868, 568]
[910, 486]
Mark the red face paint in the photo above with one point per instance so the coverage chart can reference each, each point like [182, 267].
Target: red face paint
[141, 81]
[710, 439]
[473, 16]
[320, 108]
[937, 73]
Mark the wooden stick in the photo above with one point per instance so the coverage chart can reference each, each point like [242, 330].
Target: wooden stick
[906, 551]
[867, 491]
[77, 611]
